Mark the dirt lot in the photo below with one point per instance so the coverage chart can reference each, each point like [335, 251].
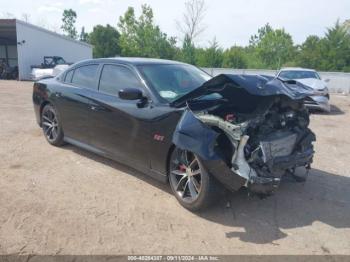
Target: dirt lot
[67, 201]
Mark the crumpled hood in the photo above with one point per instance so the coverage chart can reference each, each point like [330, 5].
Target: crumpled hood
[229, 86]
[316, 84]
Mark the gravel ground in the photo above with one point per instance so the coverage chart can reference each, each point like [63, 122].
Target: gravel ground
[67, 201]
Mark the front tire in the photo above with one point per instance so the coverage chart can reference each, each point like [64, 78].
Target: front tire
[51, 126]
[191, 184]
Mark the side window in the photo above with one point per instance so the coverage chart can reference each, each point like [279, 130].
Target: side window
[68, 78]
[115, 78]
[85, 76]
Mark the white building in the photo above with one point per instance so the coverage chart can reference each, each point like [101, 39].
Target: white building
[24, 44]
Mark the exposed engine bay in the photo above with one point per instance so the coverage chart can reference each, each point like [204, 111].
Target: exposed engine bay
[247, 139]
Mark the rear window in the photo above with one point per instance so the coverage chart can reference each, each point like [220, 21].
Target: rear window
[85, 76]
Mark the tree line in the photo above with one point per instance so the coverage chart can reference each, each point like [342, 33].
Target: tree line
[269, 48]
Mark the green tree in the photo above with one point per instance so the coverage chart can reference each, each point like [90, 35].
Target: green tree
[188, 51]
[255, 39]
[69, 18]
[105, 40]
[275, 48]
[253, 59]
[141, 37]
[84, 37]
[251, 51]
[330, 53]
[346, 26]
[235, 57]
[310, 52]
[211, 56]
[336, 49]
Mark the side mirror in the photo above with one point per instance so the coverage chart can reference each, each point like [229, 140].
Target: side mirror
[130, 94]
[327, 80]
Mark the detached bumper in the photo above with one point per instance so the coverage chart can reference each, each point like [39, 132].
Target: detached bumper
[318, 103]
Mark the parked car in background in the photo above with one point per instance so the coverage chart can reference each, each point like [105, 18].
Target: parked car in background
[309, 77]
[51, 66]
[174, 122]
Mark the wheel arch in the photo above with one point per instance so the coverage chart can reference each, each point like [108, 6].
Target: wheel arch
[42, 105]
[170, 151]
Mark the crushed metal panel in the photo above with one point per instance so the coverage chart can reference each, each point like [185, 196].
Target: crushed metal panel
[269, 138]
[191, 134]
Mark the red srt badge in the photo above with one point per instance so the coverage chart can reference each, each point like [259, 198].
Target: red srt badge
[158, 137]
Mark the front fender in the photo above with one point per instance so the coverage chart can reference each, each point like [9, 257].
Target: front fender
[193, 135]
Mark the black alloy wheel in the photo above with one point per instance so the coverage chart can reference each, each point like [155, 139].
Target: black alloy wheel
[51, 126]
[191, 184]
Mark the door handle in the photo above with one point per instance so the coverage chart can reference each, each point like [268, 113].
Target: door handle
[96, 108]
[58, 94]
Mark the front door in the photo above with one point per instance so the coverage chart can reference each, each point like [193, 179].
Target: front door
[119, 128]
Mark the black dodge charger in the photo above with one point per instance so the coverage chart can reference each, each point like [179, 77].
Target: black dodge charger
[174, 122]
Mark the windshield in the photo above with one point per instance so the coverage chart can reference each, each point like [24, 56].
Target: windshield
[298, 74]
[60, 61]
[174, 80]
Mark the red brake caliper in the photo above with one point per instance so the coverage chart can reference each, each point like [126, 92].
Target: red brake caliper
[182, 168]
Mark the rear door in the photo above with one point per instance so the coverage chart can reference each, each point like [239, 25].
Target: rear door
[119, 126]
[73, 101]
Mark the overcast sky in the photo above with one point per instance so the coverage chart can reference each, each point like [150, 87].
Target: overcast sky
[230, 21]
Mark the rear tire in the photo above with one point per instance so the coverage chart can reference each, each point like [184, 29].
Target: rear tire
[51, 126]
[192, 185]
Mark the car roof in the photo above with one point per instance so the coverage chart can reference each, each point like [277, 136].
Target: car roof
[297, 69]
[131, 61]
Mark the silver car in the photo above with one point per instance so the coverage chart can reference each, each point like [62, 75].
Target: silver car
[309, 77]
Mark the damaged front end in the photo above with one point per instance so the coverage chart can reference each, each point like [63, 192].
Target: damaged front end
[251, 134]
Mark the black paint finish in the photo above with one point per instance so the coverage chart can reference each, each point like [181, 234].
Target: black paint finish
[139, 132]
[135, 132]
